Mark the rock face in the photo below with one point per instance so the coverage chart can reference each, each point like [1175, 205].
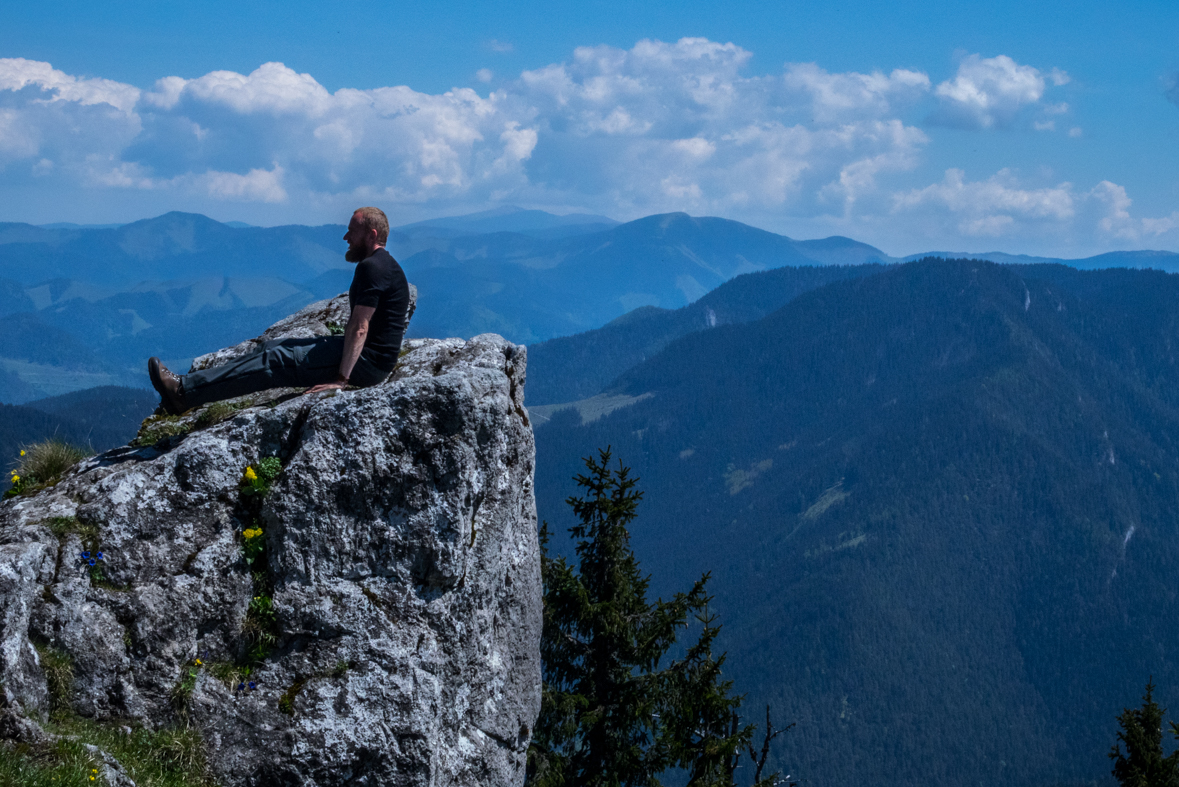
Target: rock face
[400, 559]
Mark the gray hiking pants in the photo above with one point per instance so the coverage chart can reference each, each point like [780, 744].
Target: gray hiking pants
[295, 363]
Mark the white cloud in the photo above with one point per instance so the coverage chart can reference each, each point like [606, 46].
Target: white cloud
[17, 73]
[990, 92]
[500, 46]
[50, 115]
[661, 126]
[842, 96]
[271, 89]
[1117, 220]
[484, 75]
[678, 126]
[991, 207]
[256, 185]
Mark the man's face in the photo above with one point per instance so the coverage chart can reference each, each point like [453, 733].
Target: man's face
[357, 238]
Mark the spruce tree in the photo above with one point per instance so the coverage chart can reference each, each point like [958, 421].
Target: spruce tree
[702, 728]
[615, 711]
[1143, 764]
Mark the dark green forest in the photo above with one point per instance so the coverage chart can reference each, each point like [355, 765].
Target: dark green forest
[938, 505]
[579, 366]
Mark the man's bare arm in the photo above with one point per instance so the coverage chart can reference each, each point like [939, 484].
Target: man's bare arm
[355, 334]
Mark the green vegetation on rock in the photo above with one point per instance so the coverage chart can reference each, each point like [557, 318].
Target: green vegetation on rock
[171, 757]
[160, 427]
[42, 465]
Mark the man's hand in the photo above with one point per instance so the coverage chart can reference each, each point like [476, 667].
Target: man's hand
[355, 332]
[325, 387]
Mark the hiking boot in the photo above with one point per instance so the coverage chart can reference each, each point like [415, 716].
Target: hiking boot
[167, 385]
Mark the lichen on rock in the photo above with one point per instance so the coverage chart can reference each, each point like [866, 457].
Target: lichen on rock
[401, 555]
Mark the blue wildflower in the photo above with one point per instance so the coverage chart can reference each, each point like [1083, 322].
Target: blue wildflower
[253, 685]
[92, 562]
[99, 556]
[241, 686]
[85, 555]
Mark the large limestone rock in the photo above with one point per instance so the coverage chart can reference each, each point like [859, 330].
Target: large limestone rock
[403, 562]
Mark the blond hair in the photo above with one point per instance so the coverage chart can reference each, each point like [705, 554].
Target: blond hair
[374, 219]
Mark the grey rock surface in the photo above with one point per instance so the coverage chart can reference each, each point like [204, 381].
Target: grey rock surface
[401, 557]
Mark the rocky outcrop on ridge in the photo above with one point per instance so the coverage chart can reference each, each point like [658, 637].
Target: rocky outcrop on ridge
[388, 634]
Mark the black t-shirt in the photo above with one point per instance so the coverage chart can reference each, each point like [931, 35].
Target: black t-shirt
[380, 283]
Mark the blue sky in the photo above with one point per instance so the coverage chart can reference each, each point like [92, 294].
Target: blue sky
[1045, 128]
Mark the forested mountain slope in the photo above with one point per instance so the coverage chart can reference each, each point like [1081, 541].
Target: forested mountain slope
[939, 505]
[575, 367]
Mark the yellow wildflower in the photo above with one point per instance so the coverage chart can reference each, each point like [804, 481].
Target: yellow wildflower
[251, 475]
[22, 453]
[198, 662]
[15, 477]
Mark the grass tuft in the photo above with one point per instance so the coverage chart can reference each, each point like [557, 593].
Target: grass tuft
[62, 526]
[42, 465]
[217, 412]
[160, 427]
[59, 675]
[181, 694]
[65, 763]
[172, 757]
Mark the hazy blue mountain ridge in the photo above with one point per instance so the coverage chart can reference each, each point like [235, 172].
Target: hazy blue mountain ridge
[545, 289]
[1158, 260]
[172, 246]
[181, 284]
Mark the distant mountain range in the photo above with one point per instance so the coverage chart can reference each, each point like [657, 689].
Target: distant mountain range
[91, 303]
[937, 501]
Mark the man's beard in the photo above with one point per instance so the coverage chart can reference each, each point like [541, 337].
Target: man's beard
[354, 254]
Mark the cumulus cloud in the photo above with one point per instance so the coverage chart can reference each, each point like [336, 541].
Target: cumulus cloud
[678, 126]
[841, 96]
[16, 73]
[661, 126]
[991, 207]
[990, 92]
[1117, 220]
[249, 137]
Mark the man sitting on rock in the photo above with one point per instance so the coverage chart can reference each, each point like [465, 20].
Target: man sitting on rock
[363, 356]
